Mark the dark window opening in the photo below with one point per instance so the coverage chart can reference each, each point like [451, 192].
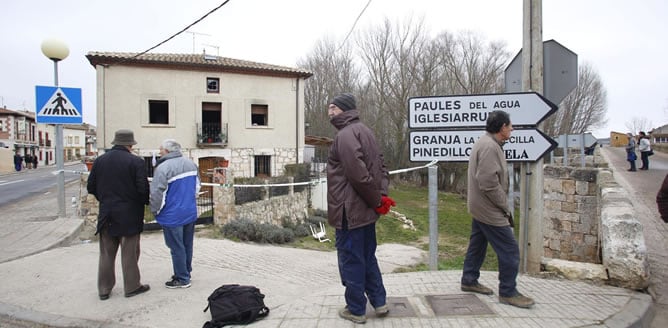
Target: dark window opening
[262, 166]
[212, 131]
[158, 112]
[212, 84]
[260, 115]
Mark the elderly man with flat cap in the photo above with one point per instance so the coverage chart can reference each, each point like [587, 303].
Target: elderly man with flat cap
[357, 182]
[118, 181]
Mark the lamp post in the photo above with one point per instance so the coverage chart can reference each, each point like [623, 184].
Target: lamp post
[57, 50]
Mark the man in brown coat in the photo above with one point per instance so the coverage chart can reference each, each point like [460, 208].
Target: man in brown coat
[357, 182]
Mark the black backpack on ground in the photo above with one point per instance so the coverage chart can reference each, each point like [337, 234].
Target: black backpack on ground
[235, 304]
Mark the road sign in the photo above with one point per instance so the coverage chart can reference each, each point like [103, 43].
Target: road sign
[57, 105]
[560, 72]
[524, 145]
[470, 111]
[575, 140]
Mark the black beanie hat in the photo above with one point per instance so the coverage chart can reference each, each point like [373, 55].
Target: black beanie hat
[345, 101]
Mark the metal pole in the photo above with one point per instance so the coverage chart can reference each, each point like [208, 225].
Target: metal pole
[60, 166]
[433, 218]
[582, 148]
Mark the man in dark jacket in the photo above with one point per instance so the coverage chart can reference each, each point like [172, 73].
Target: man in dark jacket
[662, 200]
[357, 182]
[118, 181]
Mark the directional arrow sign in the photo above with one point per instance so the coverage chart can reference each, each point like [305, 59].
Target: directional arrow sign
[455, 146]
[470, 111]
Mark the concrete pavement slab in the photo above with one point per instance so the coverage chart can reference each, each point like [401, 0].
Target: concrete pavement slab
[57, 288]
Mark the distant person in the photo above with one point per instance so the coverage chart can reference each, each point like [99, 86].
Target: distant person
[492, 220]
[631, 152]
[662, 200]
[174, 203]
[28, 160]
[118, 181]
[645, 149]
[35, 160]
[356, 196]
[18, 161]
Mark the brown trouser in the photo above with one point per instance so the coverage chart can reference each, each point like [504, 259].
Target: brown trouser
[106, 277]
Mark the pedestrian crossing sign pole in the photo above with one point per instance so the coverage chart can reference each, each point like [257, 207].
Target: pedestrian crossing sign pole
[58, 105]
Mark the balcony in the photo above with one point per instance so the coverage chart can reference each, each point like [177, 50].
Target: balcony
[212, 135]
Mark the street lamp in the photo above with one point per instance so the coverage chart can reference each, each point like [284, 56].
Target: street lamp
[57, 50]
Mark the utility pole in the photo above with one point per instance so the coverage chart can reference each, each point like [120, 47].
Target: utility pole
[531, 188]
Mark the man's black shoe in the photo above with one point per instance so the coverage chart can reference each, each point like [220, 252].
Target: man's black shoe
[104, 297]
[141, 289]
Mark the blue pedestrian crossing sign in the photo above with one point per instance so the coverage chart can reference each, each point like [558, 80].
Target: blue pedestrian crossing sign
[57, 105]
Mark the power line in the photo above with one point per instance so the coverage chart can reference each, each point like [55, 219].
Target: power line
[177, 33]
[354, 24]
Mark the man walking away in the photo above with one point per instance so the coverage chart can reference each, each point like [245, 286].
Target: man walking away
[174, 203]
[118, 181]
[357, 182]
[492, 220]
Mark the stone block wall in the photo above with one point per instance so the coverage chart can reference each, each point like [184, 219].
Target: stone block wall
[571, 214]
[272, 210]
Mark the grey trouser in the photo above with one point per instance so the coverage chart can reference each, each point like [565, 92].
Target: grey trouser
[106, 277]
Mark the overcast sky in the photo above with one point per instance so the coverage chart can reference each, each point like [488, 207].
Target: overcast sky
[624, 41]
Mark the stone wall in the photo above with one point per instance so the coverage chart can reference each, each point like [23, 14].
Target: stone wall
[293, 207]
[271, 210]
[570, 217]
[590, 228]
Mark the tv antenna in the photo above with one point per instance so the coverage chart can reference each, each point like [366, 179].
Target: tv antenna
[195, 34]
[213, 46]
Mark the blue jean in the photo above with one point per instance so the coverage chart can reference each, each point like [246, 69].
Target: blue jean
[508, 252]
[180, 243]
[358, 267]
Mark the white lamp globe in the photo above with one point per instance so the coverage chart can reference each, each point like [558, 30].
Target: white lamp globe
[55, 49]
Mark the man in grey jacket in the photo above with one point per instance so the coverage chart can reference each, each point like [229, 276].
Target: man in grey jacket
[492, 220]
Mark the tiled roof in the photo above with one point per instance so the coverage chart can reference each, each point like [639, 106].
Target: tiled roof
[16, 112]
[194, 62]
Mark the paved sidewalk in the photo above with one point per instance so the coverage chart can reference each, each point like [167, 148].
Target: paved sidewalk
[56, 287]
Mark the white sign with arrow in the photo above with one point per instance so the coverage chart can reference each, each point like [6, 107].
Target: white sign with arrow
[470, 111]
[524, 145]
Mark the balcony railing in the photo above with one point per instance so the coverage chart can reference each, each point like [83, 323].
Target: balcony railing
[212, 134]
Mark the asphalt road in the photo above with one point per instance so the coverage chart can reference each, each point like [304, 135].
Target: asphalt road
[27, 183]
[643, 187]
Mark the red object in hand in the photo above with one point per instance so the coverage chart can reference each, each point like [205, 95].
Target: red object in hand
[385, 204]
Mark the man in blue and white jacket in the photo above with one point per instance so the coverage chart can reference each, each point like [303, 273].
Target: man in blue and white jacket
[174, 203]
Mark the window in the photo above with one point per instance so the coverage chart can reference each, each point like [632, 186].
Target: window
[262, 166]
[3, 126]
[76, 140]
[259, 115]
[212, 85]
[158, 112]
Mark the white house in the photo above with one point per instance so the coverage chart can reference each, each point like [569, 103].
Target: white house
[250, 114]
[74, 142]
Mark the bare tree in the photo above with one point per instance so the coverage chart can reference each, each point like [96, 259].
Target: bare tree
[470, 65]
[396, 58]
[637, 124]
[334, 71]
[583, 109]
